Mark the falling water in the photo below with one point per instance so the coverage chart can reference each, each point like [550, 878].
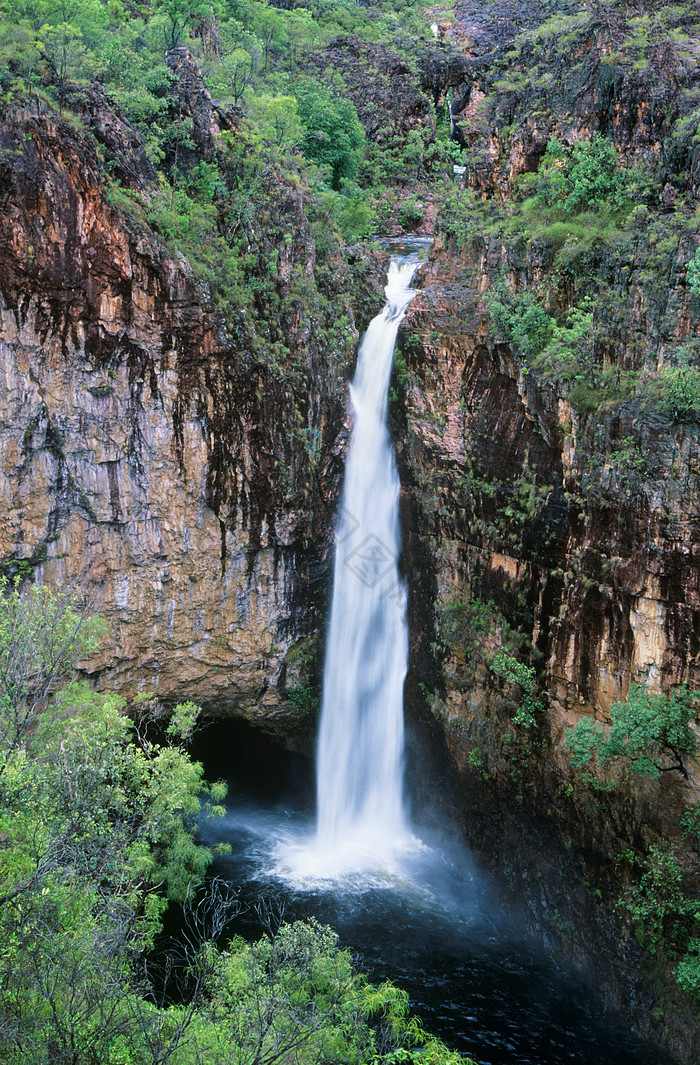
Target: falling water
[361, 819]
[419, 912]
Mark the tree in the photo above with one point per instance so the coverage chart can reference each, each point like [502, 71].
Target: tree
[238, 71]
[97, 829]
[302, 30]
[646, 730]
[42, 636]
[270, 26]
[296, 996]
[278, 119]
[178, 15]
[334, 136]
[580, 178]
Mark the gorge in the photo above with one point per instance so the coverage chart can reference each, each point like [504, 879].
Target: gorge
[187, 260]
[411, 900]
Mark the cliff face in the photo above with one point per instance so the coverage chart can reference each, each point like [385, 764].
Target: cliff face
[552, 489]
[596, 560]
[392, 95]
[146, 452]
[177, 447]
[506, 544]
[556, 476]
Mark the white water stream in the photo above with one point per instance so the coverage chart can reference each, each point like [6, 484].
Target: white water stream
[361, 823]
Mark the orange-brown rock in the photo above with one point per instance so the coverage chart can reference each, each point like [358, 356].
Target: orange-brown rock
[142, 451]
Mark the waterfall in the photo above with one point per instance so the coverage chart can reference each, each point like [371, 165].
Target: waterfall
[360, 747]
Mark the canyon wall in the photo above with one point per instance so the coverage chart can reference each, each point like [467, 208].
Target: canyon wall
[146, 455]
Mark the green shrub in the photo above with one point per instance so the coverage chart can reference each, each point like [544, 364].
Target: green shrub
[693, 275]
[584, 176]
[690, 823]
[658, 903]
[511, 670]
[296, 996]
[304, 699]
[351, 211]
[411, 213]
[458, 218]
[521, 318]
[644, 728]
[688, 969]
[679, 388]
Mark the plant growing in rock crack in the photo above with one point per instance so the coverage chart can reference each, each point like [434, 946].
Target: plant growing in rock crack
[693, 274]
[666, 917]
[515, 672]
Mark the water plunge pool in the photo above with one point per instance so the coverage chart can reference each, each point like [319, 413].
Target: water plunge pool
[432, 923]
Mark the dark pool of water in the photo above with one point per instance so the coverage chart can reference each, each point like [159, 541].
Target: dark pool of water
[434, 928]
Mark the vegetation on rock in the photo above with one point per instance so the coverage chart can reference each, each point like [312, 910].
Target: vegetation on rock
[97, 832]
[645, 729]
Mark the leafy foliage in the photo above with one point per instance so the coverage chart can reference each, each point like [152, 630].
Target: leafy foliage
[333, 135]
[584, 176]
[690, 823]
[41, 636]
[657, 901]
[296, 996]
[511, 670]
[688, 969]
[693, 275]
[666, 915]
[645, 728]
[97, 829]
[679, 387]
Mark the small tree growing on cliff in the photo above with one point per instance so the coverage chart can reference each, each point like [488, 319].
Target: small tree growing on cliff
[511, 670]
[580, 178]
[693, 274]
[646, 730]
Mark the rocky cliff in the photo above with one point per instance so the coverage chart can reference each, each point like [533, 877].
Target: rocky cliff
[146, 452]
[566, 483]
[552, 489]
